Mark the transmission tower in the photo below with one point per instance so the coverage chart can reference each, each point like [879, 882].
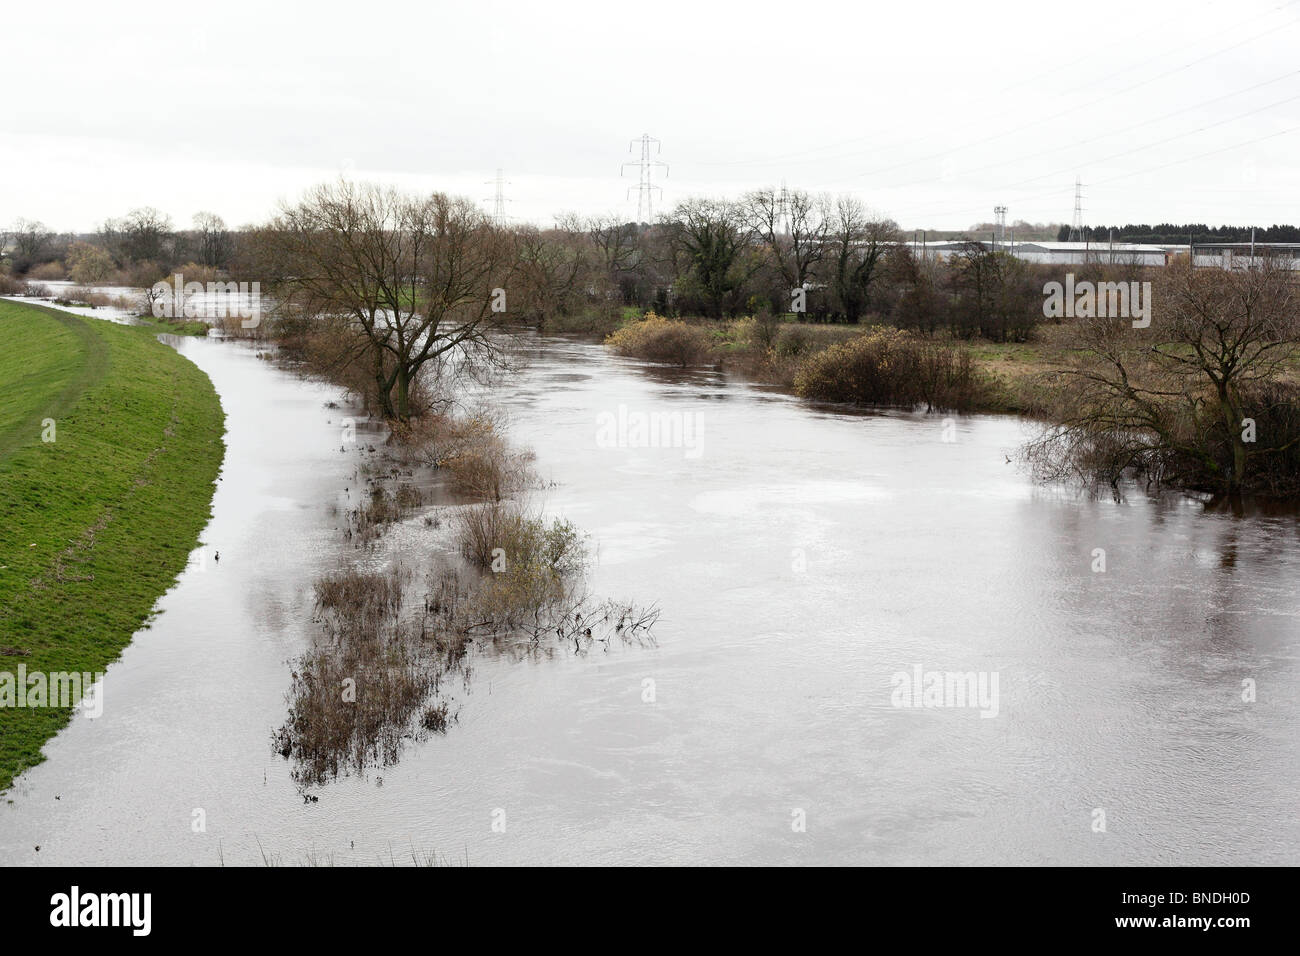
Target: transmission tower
[499, 199]
[783, 209]
[645, 187]
[1076, 226]
[1000, 217]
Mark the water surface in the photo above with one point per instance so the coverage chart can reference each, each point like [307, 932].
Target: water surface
[802, 557]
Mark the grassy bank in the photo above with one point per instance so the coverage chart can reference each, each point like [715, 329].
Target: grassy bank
[96, 523]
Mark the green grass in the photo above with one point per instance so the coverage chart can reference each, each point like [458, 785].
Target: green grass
[95, 525]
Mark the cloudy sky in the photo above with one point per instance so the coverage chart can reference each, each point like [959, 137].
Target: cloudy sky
[931, 112]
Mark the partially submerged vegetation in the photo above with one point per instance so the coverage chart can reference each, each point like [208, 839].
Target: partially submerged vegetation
[1200, 393]
[877, 365]
[394, 642]
[655, 339]
[890, 367]
[1204, 399]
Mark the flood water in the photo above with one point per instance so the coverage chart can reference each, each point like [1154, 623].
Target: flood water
[802, 556]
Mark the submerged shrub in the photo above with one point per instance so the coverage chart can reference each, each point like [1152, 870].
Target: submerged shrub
[533, 570]
[657, 339]
[886, 366]
[471, 450]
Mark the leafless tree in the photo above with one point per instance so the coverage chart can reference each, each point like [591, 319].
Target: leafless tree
[857, 242]
[795, 227]
[419, 281]
[1177, 401]
[212, 239]
[552, 270]
[31, 237]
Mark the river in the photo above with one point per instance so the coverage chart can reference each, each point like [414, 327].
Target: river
[802, 557]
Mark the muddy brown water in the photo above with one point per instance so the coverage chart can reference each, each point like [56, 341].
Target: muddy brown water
[803, 556]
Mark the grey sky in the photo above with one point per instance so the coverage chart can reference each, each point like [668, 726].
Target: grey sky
[931, 112]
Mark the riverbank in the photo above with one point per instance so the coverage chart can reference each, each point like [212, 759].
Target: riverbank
[1003, 378]
[110, 444]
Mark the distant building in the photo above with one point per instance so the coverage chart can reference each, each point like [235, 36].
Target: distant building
[1071, 253]
[1243, 255]
[1221, 255]
[1065, 253]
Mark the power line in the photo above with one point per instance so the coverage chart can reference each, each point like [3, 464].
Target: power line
[1127, 152]
[1073, 144]
[978, 96]
[1168, 139]
[1072, 109]
[1135, 172]
[1013, 111]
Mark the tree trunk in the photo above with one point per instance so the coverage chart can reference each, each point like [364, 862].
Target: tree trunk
[382, 387]
[403, 394]
[1232, 420]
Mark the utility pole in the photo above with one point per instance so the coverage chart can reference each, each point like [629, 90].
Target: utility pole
[645, 187]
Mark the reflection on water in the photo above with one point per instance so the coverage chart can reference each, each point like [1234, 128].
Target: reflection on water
[804, 557]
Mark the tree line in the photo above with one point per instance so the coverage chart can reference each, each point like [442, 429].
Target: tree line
[135, 249]
[1166, 233]
[824, 258]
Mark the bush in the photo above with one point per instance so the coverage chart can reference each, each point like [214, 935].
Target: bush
[89, 264]
[657, 339]
[758, 331]
[886, 366]
[1275, 406]
[80, 295]
[536, 569]
[590, 321]
[47, 272]
[471, 450]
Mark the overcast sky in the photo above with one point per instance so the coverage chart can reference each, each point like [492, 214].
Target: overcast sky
[932, 112]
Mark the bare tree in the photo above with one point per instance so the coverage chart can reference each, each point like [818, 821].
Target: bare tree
[213, 239]
[621, 260]
[146, 232]
[1177, 401]
[795, 227]
[551, 270]
[995, 295]
[857, 244]
[31, 238]
[420, 282]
